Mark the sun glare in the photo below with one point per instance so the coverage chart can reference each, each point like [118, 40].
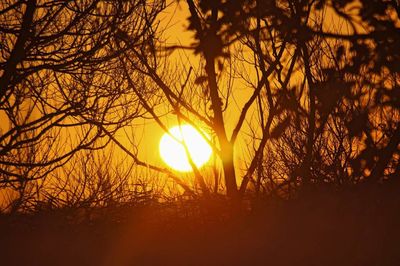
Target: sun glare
[173, 152]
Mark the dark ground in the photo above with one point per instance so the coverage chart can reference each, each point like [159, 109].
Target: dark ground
[357, 227]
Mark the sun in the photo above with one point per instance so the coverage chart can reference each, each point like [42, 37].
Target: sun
[173, 152]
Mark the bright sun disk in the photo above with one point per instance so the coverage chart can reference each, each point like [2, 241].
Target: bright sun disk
[172, 149]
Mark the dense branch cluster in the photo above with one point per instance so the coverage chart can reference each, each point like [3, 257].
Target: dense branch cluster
[61, 89]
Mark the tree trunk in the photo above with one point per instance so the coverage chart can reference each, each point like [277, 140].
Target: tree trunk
[209, 53]
[226, 147]
[229, 172]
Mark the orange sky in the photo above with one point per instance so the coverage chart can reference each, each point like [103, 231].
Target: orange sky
[174, 19]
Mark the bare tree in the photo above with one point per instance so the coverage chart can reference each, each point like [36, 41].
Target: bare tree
[203, 94]
[309, 86]
[61, 90]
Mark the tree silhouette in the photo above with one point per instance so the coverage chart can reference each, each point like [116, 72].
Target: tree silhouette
[310, 87]
[60, 87]
[317, 88]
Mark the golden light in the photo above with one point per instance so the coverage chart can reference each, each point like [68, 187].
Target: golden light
[173, 152]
